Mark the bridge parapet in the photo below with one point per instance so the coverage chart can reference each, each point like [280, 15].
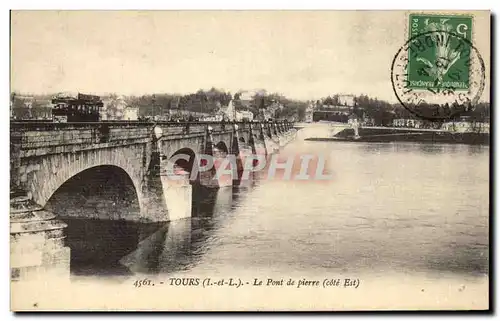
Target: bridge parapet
[33, 142]
[40, 138]
[43, 126]
[43, 141]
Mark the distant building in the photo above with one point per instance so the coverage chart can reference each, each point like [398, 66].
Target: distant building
[309, 112]
[103, 115]
[344, 104]
[346, 100]
[29, 107]
[130, 113]
[408, 123]
[244, 115]
[113, 108]
[337, 108]
[466, 127]
[212, 118]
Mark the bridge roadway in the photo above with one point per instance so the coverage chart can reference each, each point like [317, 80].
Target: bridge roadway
[46, 155]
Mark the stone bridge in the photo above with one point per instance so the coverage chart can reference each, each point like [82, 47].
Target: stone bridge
[45, 156]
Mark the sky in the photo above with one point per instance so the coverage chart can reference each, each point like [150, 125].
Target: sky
[303, 55]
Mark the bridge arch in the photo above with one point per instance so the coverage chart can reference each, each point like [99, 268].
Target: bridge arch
[49, 173]
[100, 192]
[221, 146]
[187, 165]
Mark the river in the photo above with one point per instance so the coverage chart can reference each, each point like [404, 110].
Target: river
[397, 211]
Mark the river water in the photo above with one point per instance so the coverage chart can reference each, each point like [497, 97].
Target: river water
[391, 210]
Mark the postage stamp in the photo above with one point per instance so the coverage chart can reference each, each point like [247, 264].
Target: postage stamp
[438, 74]
[439, 62]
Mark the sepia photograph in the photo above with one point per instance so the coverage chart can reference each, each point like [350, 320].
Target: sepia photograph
[272, 160]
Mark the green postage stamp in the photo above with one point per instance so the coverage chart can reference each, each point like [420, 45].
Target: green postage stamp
[438, 57]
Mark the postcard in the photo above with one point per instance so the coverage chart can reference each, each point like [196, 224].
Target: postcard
[250, 160]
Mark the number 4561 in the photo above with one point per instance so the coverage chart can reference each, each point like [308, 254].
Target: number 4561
[144, 282]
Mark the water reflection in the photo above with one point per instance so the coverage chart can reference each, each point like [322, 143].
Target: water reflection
[423, 148]
[97, 246]
[459, 258]
[477, 149]
[108, 247]
[165, 250]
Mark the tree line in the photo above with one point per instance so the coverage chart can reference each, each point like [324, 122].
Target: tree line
[382, 113]
[260, 103]
[161, 104]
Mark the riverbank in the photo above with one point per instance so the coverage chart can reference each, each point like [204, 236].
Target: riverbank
[395, 134]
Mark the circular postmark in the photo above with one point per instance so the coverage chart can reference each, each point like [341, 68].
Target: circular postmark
[438, 75]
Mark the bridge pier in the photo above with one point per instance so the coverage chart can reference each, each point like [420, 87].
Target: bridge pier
[276, 137]
[215, 176]
[242, 150]
[168, 194]
[271, 141]
[259, 146]
[177, 193]
[286, 133]
[282, 135]
[37, 248]
[37, 244]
